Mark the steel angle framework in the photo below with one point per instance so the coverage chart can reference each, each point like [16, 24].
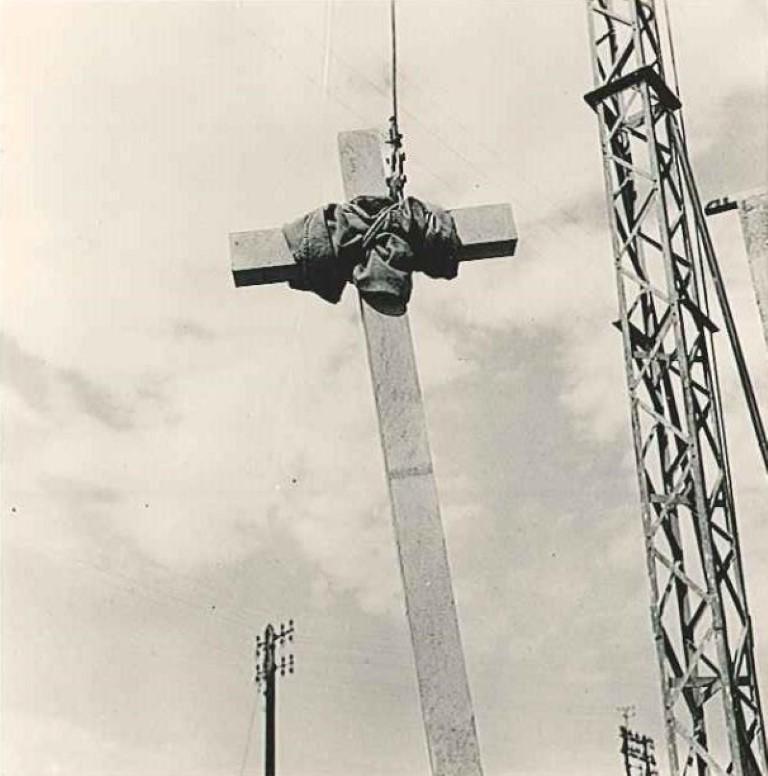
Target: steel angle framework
[699, 613]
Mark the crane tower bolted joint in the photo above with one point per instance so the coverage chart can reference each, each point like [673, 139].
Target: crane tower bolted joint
[700, 619]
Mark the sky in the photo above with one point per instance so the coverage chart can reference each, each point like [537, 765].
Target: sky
[183, 461]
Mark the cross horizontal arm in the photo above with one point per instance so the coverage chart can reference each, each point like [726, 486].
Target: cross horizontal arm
[263, 256]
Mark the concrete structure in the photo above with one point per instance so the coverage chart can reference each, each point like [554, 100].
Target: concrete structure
[263, 257]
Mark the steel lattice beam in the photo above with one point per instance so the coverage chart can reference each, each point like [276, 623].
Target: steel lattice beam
[700, 619]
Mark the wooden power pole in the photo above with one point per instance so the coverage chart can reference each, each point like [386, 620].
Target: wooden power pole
[638, 752]
[267, 667]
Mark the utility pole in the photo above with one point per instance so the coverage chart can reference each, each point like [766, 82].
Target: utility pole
[649, 757]
[639, 753]
[626, 713]
[637, 750]
[267, 667]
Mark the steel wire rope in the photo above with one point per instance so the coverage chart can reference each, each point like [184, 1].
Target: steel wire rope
[393, 33]
[327, 47]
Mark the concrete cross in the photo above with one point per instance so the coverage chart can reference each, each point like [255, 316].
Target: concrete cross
[263, 257]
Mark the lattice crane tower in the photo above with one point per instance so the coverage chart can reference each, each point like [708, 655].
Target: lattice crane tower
[701, 623]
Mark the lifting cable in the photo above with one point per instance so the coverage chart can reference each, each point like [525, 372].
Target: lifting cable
[396, 177]
[393, 28]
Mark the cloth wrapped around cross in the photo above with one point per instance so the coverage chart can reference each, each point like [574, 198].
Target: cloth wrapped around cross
[376, 244]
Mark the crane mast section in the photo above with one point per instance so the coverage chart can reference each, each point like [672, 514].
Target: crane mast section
[699, 614]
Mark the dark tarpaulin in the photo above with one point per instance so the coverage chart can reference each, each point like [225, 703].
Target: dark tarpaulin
[375, 244]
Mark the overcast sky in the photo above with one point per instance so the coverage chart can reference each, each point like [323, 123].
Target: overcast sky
[183, 461]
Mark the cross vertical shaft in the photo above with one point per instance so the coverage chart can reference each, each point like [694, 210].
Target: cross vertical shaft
[443, 687]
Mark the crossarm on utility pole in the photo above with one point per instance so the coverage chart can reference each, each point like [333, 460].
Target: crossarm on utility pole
[263, 256]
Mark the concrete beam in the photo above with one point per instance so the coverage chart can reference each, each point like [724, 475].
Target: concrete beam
[446, 705]
[263, 256]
